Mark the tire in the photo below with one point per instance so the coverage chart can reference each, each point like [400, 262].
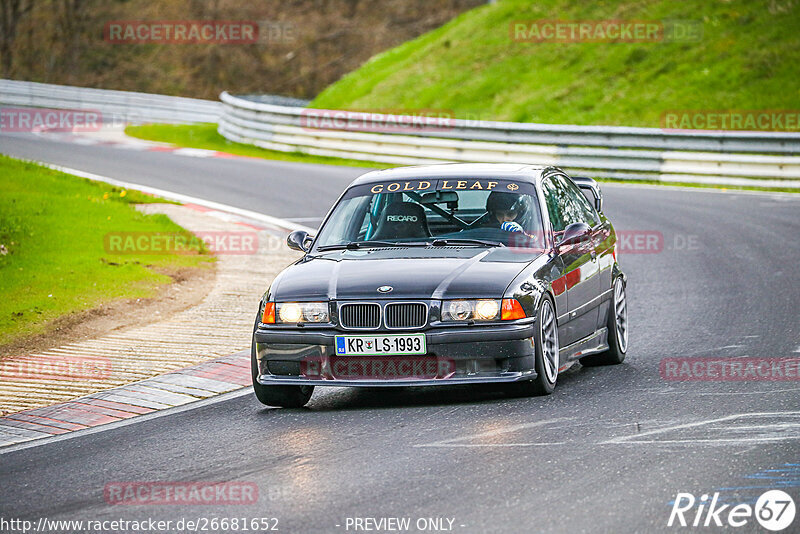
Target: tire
[546, 355]
[617, 324]
[280, 396]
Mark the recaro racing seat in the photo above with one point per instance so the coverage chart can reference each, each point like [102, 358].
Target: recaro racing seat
[402, 220]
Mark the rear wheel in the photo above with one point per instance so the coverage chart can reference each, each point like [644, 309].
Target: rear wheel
[546, 356]
[617, 325]
[282, 396]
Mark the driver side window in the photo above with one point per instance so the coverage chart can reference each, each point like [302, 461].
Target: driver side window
[566, 204]
[554, 200]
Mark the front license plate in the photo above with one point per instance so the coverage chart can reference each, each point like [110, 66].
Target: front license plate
[380, 345]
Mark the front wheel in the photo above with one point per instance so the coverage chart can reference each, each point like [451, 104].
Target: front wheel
[546, 356]
[617, 325]
[281, 396]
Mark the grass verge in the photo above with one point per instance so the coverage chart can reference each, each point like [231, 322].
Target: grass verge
[53, 257]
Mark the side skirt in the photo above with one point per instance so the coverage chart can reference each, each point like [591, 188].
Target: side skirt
[591, 344]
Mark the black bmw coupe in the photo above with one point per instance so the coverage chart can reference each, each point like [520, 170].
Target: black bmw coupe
[445, 274]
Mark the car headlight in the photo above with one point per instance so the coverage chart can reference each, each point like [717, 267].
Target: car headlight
[486, 309]
[296, 312]
[471, 310]
[482, 310]
[290, 312]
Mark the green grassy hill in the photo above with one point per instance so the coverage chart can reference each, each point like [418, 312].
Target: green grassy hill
[747, 58]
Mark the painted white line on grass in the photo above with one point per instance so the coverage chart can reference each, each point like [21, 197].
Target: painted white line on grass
[195, 152]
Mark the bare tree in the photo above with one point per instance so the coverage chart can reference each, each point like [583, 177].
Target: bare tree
[305, 45]
[11, 12]
[71, 16]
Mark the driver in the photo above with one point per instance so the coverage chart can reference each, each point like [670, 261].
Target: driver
[504, 209]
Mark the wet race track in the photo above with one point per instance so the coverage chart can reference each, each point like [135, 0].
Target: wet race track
[711, 274]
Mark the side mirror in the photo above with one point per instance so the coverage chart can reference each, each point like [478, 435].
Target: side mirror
[574, 234]
[598, 200]
[591, 190]
[299, 240]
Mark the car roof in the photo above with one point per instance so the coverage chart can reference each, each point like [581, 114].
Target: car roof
[516, 171]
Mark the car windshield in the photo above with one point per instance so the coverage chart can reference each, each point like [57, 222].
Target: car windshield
[435, 211]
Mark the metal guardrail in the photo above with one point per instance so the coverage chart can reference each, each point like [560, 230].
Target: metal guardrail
[120, 107]
[765, 159]
[276, 100]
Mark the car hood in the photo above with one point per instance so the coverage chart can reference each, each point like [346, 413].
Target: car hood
[413, 273]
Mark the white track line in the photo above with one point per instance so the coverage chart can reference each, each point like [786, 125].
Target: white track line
[186, 199]
[637, 438]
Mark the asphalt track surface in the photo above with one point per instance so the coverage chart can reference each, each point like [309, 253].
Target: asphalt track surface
[607, 452]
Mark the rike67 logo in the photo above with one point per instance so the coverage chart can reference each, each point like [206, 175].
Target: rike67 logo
[774, 510]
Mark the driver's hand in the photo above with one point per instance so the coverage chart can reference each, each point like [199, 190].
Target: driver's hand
[509, 226]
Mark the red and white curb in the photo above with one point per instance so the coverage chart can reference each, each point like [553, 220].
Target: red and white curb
[189, 387]
[163, 392]
[116, 139]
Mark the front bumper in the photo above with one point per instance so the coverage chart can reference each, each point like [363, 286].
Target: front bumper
[473, 354]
